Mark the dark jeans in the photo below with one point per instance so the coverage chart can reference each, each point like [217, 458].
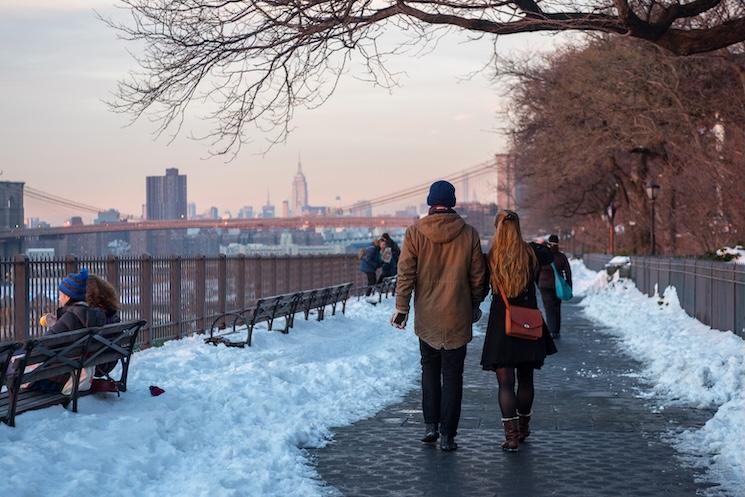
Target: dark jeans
[385, 272]
[552, 306]
[371, 281]
[442, 386]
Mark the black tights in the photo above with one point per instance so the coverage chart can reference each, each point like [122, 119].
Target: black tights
[509, 403]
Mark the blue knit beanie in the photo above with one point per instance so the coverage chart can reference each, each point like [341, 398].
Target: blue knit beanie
[441, 193]
[74, 285]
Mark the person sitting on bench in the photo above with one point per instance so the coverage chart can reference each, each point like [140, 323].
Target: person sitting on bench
[73, 314]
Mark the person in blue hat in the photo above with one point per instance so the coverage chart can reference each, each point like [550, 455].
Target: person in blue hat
[442, 266]
[74, 313]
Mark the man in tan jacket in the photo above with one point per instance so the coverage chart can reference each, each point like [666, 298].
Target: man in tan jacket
[442, 264]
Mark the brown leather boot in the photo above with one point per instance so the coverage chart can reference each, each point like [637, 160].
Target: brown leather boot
[511, 434]
[524, 425]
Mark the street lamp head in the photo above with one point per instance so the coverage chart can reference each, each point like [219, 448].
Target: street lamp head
[652, 189]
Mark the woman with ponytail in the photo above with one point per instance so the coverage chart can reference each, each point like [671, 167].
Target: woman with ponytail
[514, 266]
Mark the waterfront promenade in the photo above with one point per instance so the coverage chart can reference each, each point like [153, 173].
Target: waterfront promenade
[592, 435]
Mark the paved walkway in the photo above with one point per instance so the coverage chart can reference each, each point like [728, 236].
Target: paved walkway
[591, 435]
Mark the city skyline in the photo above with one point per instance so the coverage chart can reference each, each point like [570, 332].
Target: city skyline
[58, 136]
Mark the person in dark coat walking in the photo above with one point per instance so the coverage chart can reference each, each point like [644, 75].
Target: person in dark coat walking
[442, 265]
[547, 285]
[369, 264]
[514, 266]
[73, 314]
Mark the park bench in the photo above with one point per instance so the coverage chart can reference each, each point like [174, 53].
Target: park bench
[63, 354]
[268, 309]
[385, 288]
[341, 296]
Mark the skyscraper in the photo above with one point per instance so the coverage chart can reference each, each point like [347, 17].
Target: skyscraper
[299, 199]
[268, 211]
[166, 196]
[285, 208]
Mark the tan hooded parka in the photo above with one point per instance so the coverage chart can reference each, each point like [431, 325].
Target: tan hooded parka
[442, 263]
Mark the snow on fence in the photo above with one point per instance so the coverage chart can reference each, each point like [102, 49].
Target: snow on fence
[710, 291]
[176, 295]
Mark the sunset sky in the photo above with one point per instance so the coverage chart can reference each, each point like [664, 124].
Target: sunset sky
[58, 63]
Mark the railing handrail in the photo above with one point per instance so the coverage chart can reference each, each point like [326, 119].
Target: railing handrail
[711, 291]
[177, 295]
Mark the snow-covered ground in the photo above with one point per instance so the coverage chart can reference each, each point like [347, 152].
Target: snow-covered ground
[687, 363]
[232, 422]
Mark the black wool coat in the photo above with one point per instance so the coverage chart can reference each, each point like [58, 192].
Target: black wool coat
[501, 351]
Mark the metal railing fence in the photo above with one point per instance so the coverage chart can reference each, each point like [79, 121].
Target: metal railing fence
[596, 262]
[176, 295]
[710, 291]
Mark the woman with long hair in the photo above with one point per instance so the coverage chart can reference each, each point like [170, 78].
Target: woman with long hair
[514, 267]
[102, 295]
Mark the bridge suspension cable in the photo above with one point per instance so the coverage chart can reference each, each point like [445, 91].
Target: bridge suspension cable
[58, 201]
[475, 171]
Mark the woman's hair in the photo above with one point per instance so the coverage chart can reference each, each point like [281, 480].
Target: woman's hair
[100, 293]
[511, 260]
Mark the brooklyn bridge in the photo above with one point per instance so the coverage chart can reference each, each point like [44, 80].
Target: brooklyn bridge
[204, 236]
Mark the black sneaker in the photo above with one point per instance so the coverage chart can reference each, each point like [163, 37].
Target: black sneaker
[430, 433]
[447, 444]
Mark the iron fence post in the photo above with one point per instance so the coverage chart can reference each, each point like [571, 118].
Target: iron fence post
[222, 285]
[734, 300]
[175, 295]
[259, 283]
[112, 272]
[288, 273]
[200, 292]
[71, 264]
[240, 282]
[300, 270]
[274, 274]
[146, 296]
[21, 281]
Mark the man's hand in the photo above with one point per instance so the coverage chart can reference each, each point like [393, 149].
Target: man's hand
[398, 320]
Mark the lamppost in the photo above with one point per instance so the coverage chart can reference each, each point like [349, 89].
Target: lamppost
[610, 211]
[652, 189]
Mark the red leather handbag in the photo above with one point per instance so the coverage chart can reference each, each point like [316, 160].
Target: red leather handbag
[522, 322]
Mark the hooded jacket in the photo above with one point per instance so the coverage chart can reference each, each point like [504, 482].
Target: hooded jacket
[76, 316]
[370, 261]
[442, 264]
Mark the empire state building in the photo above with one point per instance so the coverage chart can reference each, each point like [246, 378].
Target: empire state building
[299, 192]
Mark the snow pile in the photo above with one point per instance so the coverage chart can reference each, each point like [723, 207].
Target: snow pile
[585, 280]
[688, 363]
[737, 252]
[619, 260]
[232, 422]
